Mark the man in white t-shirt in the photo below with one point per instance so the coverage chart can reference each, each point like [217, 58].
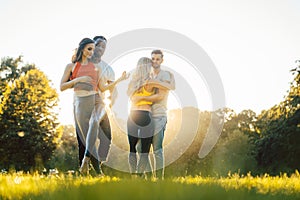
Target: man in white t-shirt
[107, 76]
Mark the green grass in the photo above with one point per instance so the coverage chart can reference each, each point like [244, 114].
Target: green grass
[25, 186]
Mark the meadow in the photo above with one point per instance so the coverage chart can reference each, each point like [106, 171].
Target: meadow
[20, 185]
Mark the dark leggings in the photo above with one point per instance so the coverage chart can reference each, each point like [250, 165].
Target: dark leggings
[142, 119]
[146, 143]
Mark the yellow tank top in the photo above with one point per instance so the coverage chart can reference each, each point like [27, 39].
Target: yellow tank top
[143, 93]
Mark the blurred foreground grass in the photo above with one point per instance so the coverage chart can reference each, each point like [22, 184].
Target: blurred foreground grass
[26, 186]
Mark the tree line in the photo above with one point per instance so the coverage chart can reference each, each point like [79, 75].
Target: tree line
[31, 137]
[258, 143]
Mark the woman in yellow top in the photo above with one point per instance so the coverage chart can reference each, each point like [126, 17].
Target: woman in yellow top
[139, 123]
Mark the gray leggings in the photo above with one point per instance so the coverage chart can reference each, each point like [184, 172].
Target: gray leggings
[88, 112]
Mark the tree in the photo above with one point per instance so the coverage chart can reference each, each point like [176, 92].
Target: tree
[230, 122]
[232, 153]
[28, 123]
[10, 71]
[65, 157]
[278, 131]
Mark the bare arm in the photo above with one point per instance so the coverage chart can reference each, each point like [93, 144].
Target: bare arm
[66, 84]
[157, 96]
[161, 85]
[167, 84]
[102, 86]
[153, 98]
[152, 84]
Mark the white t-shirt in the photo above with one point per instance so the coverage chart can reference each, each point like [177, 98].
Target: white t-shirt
[108, 73]
[160, 108]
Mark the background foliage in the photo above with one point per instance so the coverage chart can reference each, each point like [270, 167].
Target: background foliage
[31, 137]
[28, 123]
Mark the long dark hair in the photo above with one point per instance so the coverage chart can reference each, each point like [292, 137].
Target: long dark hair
[80, 48]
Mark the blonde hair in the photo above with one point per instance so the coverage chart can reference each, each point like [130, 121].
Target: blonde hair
[140, 75]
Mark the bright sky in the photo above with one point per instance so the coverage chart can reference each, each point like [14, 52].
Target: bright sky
[253, 44]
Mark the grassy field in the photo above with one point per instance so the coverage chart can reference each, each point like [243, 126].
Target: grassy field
[26, 186]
